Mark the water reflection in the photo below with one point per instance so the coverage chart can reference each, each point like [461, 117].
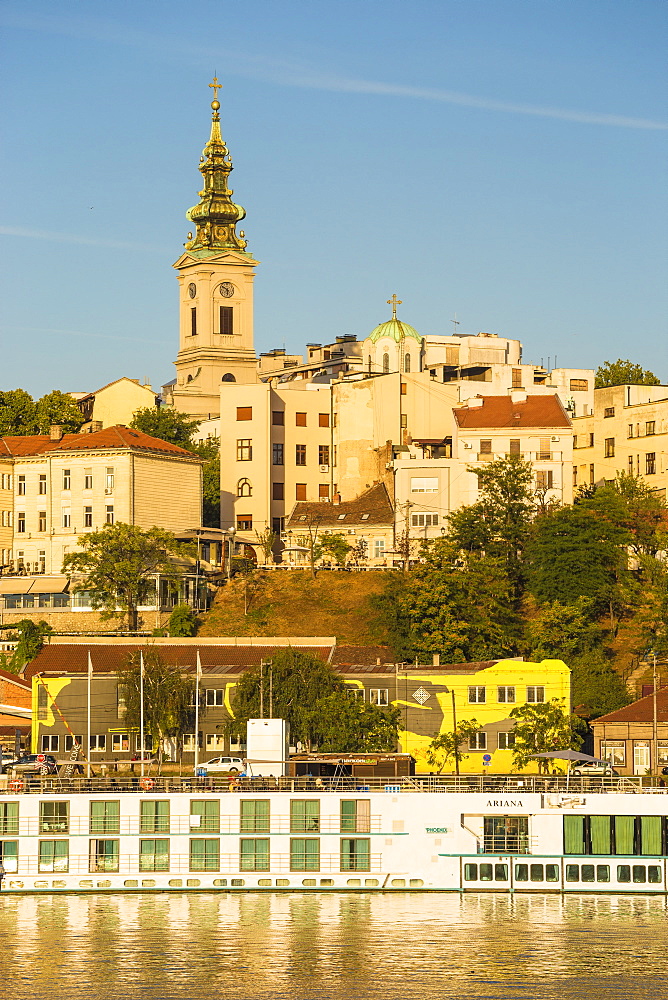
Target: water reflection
[339, 947]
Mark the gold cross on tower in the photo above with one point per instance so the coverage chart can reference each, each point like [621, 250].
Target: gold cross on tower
[216, 87]
[394, 302]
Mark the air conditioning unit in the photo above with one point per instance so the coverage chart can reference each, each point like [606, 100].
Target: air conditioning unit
[351, 531]
[555, 439]
[467, 444]
[324, 468]
[108, 492]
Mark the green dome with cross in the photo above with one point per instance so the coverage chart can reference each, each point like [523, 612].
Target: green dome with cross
[394, 328]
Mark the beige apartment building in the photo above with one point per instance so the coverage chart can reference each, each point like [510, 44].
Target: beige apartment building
[626, 432]
[115, 403]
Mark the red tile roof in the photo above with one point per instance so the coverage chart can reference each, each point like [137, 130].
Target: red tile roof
[5, 675]
[109, 437]
[640, 711]
[501, 411]
[374, 502]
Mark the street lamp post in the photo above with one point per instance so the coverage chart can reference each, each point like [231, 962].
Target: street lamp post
[230, 544]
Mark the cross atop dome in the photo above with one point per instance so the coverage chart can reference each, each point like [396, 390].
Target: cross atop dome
[394, 302]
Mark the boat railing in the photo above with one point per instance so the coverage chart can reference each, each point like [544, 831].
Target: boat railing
[217, 784]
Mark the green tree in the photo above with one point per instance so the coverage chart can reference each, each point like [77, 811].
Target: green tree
[332, 546]
[182, 621]
[448, 747]
[266, 540]
[31, 636]
[541, 728]
[17, 413]
[57, 408]
[562, 631]
[168, 697]
[118, 564]
[166, 423]
[623, 373]
[345, 724]
[210, 452]
[596, 687]
[498, 523]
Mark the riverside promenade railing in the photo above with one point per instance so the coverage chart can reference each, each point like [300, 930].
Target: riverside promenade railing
[506, 784]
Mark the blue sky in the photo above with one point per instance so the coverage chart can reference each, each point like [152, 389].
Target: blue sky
[501, 161]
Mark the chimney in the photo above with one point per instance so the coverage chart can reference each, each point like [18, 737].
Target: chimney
[378, 661]
[474, 402]
[518, 395]
[336, 499]
[55, 432]
[436, 660]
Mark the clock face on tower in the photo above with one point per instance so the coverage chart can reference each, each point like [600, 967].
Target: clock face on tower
[226, 289]
[192, 290]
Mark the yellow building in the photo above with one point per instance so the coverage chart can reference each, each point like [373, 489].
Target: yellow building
[485, 692]
[115, 403]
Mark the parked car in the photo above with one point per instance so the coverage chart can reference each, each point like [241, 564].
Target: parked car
[595, 768]
[233, 765]
[31, 763]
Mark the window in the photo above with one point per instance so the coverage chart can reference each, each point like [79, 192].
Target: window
[21, 522]
[379, 548]
[21, 486]
[505, 741]
[404, 420]
[614, 751]
[120, 742]
[214, 742]
[379, 696]
[424, 520]
[650, 463]
[544, 452]
[226, 315]
[323, 491]
[515, 446]
[277, 453]
[650, 428]
[244, 488]
[304, 854]
[516, 376]
[53, 856]
[66, 518]
[109, 480]
[254, 854]
[109, 514]
[575, 475]
[300, 454]
[478, 741]
[193, 321]
[485, 447]
[407, 366]
[355, 853]
[609, 448]
[404, 388]
[323, 454]
[9, 855]
[148, 742]
[535, 695]
[205, 854]
[386, 364]
[422, 485]
[506, 834]
[245, 522]
[88, 479]
[154, 855]
[215, 697]
[49, 744]
[300, 491]
[323, 420]
[154, 816]
[662, 752]
[579, 385]
[41, 520]
[355, 815]
[304, 815]
[591, 475]
[42, 485]
[477, 695]
[278, 418]
[67, 479]
[505, 693]
[105, 816]
[544, 479]
[244, 449]
[53, 817]
[244, 412]
[103, 856]
[255, 815]
[609, 411]
[629, 433]
[300, 419]
[88, 517]
[278, 491]
[9, 818]
[205, 814]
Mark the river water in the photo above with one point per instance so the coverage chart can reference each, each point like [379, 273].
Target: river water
[297, 946]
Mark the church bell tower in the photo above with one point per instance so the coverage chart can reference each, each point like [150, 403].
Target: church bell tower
[215, 275]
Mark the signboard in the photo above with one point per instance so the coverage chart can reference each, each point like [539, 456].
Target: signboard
[486, 759]
[421, 696]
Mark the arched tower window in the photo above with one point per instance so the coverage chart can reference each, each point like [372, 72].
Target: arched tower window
[386, 364]
[368, 363]
[407, 363]
[244, 488]
[228, 378]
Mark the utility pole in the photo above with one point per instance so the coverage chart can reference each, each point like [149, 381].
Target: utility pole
[655, 727]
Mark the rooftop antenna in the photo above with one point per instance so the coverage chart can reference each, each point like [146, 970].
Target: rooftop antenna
[455, 322]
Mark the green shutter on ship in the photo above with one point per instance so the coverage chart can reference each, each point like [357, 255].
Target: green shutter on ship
[650, 835]
[600, 834]
[574, 839]
[624, 834]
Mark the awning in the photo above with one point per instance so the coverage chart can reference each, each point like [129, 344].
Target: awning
[570, 755]
[429, 440]
[49, 585]
[16, 584]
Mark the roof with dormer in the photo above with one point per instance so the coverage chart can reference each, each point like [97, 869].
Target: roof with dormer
[109, 437]
[504, 411]
[371, 508]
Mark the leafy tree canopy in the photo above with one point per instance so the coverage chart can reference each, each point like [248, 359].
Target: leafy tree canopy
[623, 373]
[541, 728]
[168, 696]
[166, 423]
[448, 747]
[20, 415]
[182, 621]
[596, 687]
[562, 631]
[332, 546]
[31, 637]
[117, 566]
[315, 702]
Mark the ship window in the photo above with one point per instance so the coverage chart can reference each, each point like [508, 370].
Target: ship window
[485, 873]
[254, 854]
[500, 873]
[653, 873]
[551, 873]
[587, 873]
[602, 873]
[9, 855]
[572, 873]
[53, 817]
[536, 872]
[623, 873]
[471, 873]
[639, 873]
[521, 873]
